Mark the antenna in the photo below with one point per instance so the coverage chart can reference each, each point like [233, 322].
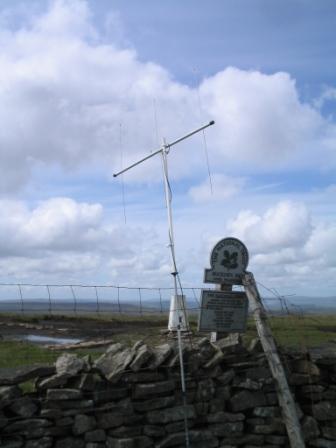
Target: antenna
[177, 315]
[164, 151]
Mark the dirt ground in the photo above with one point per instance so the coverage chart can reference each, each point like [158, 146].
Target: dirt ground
[78, 327]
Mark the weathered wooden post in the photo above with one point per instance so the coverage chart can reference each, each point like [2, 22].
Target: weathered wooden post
[285, 397]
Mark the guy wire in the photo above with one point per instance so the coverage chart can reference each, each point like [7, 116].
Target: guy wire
[122, 176]
[156, 122]
[205, 144]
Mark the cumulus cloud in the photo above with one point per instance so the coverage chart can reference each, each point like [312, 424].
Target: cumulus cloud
[287, 224]
[286, 246]
[64, 238]
[65, 90]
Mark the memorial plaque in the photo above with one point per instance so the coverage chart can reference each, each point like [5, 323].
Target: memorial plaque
[228, 260]
[223, 311]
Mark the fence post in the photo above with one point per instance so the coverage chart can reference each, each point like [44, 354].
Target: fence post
[285, 397]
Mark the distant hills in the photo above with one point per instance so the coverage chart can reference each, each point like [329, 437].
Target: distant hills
[304, 304]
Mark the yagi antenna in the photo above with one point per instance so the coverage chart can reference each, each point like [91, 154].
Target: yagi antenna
[177, 312]
[164, 150]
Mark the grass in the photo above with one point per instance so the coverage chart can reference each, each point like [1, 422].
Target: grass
[291, 331]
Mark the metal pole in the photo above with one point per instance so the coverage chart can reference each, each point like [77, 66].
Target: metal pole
[174, 274]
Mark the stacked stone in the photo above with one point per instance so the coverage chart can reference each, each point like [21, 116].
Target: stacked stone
[131, 398]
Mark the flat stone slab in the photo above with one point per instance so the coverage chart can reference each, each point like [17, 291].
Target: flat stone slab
[16, 375]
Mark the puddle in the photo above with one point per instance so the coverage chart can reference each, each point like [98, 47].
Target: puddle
[37, 339]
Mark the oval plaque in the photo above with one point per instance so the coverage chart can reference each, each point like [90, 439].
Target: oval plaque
[228, 261]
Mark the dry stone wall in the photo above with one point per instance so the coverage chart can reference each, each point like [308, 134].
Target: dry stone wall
[131, 398]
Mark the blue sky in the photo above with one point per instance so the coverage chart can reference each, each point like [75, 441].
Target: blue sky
[85, 84]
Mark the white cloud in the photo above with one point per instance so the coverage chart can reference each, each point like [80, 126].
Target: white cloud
[223, 187]
[64, 239]
[64, 92]
[287, 248]
[287, 224]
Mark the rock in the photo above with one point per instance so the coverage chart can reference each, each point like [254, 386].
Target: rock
[230, 342]
[114, 362]
[206, 349]
[205, 390]
[306, 367]
[204, 438]
[247, 440]
[159, 355]
[53, 381]
[24, 407]
[215, 360]
[267, 411]
[27, 425]
[52, 414]
[72, 405]
[64, 394]
[69, 364]
[171, 414]
[225, 429]
[276, 440]
[120, 443]
[255, 346]
[8, 394]
[324, 411]
[153, 431]
[225, 417]
[122, 407]
[86, 382]
[98, 435]
[3, 420]
[150, 389]
[43, 442]
[248, 384]
[142, 377]
[323, 443]
[17, 375]
[70, 442]
[82, 424]
[258, 373]
[247, 400]
[226, 378]
[108, 394]
[126, 431]
[13, 442]
[109, 420]
[141, 356]
[154, 403]
[329, 432]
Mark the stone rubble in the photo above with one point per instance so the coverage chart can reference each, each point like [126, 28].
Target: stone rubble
[131, 398]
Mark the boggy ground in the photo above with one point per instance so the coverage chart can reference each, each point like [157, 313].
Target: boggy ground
[291, 331]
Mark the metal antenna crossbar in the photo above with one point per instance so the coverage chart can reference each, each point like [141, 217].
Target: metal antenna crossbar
[165, 146]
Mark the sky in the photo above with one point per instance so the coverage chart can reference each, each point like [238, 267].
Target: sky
[88, 87]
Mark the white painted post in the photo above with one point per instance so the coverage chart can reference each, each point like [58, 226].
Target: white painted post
[285, 397]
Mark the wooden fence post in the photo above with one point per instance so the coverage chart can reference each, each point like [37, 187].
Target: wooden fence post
[285, 397]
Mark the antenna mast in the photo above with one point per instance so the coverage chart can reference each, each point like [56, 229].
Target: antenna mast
[177, 304]
[164, 151]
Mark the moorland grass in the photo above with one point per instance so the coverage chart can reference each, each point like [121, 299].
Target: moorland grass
[296, 331]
